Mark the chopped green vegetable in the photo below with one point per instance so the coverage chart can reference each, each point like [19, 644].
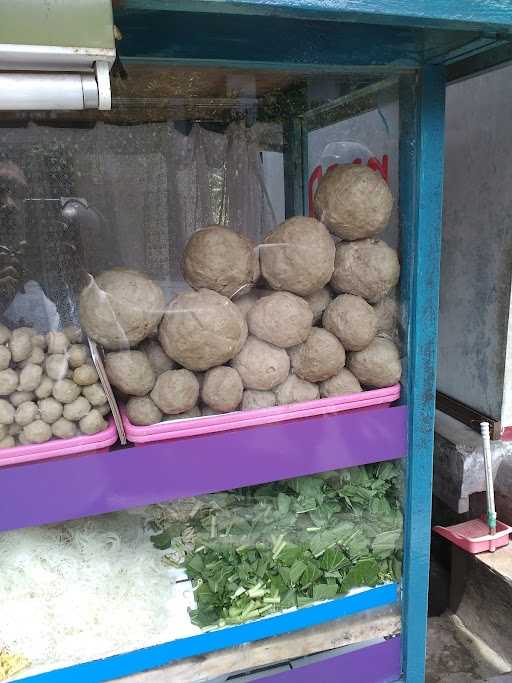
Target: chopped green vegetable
[260, 550]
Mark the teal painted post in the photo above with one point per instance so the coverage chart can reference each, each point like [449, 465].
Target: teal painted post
[422, 104]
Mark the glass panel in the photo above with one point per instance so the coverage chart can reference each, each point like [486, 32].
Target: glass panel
[174, 570]
[222, 247]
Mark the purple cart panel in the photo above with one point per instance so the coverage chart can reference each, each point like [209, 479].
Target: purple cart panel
[374, 664]
[92, 484]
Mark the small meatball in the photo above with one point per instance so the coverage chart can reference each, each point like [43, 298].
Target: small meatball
[30, 377]
[261, 365]
[5, 357]
[64, 429]
[176, 391]
[281, 319]
[7, 442]
[246, 302]
[142, 411]
[222, 389]
[37, 432]
[4, 430]
[5, 334]
[39, 341]
[65, 391]
[20, 397]
[296, 390]
[22, 440]
[92, 423]
[56, 366]
[158, 359]
[95, 395]
[85, 375]
[45, 388]
[103, 409]
[130, 372]
[26, 413]
[37, 356]
[352, 320]
[342, 383]
[57, 342]
[50, 410]
[77, 410]
[73, 333]
[388, 315]
[13, 429]
[193, 412]
[321, 356]
[254, 399]
[8, 382]
[318, 302]
[20, 344]
[378, 365]
[78, 355]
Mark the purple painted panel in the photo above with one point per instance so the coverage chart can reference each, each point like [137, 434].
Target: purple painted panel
[91, 484]
[374, 664]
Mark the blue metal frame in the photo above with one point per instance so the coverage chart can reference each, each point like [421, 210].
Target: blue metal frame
[446, 14]
[422, 102]
[122, 665]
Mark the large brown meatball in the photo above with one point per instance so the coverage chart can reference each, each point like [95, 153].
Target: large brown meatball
[342, 383]
[130, 372]
[353, 201]
[202, 329]
[175, 391]
[296, 390]
[120, 308]
[378, 365]
[222, 389]
[298, 256]
[261, 365]
[352, 320]
[368, 268]
[282, 319]
[220, 259]
[321, 356]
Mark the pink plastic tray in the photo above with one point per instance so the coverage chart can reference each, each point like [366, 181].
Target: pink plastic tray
[58, 447]
[474, 537]
[175, 429]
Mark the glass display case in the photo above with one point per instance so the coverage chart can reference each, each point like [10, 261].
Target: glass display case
[218, 334]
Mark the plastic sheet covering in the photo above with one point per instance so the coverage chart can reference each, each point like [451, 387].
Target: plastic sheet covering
[145, 190]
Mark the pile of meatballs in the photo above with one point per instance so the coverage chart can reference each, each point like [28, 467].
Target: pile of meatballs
[307, 314]
[49, 387]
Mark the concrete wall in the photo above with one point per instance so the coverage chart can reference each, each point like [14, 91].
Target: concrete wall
[477, 242]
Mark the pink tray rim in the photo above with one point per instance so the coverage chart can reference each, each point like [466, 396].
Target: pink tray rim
[59, 447]
[215, 423]
[477, 544]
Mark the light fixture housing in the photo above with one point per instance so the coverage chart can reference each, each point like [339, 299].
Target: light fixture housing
[56, 55]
